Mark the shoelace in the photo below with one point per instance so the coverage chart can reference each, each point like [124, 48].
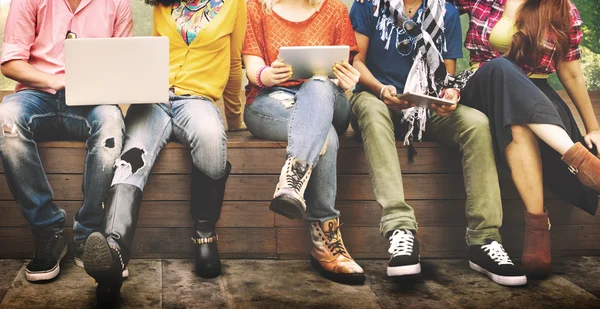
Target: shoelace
[335, 244]
[401, 243]
[294, 179]
[497, 253]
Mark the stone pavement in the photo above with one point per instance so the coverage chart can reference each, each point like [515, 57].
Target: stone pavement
[293, 284]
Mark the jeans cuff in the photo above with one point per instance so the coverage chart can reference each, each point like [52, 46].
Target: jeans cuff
[397, 221]
[479, 237]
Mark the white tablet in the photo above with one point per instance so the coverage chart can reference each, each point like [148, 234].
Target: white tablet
[307, 61]
[422, 100]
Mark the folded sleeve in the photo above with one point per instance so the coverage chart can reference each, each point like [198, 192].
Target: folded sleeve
[19, 33]
[124, 21]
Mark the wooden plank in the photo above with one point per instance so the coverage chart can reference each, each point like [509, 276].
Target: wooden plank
[159, 242]
[438, 241]
[67, 187]
[67, 160]
[354, 213]
[448, 213]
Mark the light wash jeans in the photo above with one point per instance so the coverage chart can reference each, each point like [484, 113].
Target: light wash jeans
[309, 118]
[193, 121]
[32, 115]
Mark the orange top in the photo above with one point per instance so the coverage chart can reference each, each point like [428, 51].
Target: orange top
[266, 33]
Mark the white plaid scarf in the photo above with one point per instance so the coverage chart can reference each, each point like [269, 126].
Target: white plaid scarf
[428, 73]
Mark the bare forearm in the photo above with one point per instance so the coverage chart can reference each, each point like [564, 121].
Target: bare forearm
[253, 64]
[575, 87]
[367, 80]
[27, 74]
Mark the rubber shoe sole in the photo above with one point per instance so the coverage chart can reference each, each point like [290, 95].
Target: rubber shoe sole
[98, 262]
[502, 280]
[33, 276]
[356, 278]
[407, 270]
[287, 206]
[79, 263]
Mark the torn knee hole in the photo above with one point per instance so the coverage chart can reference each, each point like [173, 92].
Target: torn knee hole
[109, 143]
[9, 129]
[133, 157]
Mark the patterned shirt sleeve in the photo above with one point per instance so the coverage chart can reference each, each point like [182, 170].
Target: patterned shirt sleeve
[463, 6]
[254, 39]
[575, 36]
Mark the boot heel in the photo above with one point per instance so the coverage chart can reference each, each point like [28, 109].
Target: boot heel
[287, 206]
[101, 264]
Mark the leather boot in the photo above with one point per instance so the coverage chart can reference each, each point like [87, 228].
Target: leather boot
[107, 255]
[206, 204]
[583, 164]
[288, 199]
[537, 256]
[329, 255]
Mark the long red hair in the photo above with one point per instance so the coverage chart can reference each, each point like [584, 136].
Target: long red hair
[536, 21]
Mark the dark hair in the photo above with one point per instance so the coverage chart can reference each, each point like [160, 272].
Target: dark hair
[161, 2]
[536, 21]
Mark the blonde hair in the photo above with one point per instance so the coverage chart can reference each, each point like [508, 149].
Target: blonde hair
[269, 4]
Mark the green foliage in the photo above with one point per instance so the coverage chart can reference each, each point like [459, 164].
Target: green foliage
[590, 14]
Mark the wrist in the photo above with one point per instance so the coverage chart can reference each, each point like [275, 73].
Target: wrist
[381, 90]
[259, 74]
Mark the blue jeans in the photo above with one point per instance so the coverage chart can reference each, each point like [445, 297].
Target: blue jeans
[309, 118]
[193, 121]
[32, 115]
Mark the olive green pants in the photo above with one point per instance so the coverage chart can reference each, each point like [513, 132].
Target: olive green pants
[467, 129]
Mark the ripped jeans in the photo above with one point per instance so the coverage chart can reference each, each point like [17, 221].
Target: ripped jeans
[309, 118]
[32, 115]
[193, 121]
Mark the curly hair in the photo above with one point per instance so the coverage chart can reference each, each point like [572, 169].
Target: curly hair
[161, 2]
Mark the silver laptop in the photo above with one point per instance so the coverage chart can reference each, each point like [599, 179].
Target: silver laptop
[117, 71]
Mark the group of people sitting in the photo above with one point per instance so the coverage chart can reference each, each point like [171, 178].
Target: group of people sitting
[506, 113]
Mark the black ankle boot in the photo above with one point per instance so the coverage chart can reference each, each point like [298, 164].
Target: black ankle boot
[206, 203]
[106, 255]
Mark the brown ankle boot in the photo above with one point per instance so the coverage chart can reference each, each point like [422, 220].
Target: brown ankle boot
[583, 164]
[536, 257]
[329, 255]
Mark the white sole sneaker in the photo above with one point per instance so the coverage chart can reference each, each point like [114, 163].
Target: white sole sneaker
[79, 262]
[404, 270]
[502, 280]
[48, 274]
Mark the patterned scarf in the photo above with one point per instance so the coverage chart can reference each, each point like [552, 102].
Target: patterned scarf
[428, 73]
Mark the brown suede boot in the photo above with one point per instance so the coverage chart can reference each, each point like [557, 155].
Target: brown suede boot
[583, 164]
[537, 257]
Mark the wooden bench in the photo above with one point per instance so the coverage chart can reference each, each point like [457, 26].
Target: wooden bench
[247, 229]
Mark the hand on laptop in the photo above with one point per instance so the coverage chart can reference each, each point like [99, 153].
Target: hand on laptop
[57, 82]
[389, 94]
[346, 74]
[276, 74]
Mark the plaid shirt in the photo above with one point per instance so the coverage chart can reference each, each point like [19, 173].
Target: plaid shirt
[483, 16]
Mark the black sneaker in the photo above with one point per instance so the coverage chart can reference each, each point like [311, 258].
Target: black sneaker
[404, 249]
[50, 248]
[104, 263]
[492, 260]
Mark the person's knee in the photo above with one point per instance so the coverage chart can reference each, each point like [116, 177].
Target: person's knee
[210, 148]
[521, 134]
[13, 120]
[318, 87]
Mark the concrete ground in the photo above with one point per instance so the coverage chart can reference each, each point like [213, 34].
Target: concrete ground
[293, 284]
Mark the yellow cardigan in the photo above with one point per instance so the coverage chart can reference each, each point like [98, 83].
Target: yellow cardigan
[211, 66]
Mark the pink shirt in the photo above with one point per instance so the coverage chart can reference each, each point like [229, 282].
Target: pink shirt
[36, 29]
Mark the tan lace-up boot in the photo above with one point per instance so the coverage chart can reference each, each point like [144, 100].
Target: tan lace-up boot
[329, 255]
